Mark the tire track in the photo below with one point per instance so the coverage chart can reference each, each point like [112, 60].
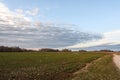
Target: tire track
[116, 60]
[84, 69]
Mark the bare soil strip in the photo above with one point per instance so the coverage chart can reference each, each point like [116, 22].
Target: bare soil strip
[116, 60]
[84, 69]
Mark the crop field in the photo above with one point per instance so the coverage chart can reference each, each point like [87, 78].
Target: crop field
[54, 66]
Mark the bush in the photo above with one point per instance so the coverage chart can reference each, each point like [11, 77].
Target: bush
[48, 50]
[105, 50]
[82, 51]
[66, 50]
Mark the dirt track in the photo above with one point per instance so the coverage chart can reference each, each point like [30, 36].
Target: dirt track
[116, 60]
[84, 68]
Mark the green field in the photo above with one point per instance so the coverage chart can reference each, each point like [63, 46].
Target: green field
[54, 66]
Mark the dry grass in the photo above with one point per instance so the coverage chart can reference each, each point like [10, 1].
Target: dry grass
[103, 69]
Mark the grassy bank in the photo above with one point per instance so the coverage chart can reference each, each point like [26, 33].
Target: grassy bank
[103, 69]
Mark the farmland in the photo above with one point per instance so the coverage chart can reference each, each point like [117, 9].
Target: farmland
[55, 66]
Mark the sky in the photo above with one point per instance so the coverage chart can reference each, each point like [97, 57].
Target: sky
[73, 24]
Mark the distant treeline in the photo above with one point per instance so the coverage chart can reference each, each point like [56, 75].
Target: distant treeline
[18, 49]
[12, 49]
[54, 50]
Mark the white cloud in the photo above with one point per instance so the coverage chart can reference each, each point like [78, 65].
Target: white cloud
[13, 19]
[3, 7]
[110, 38]
[33, 12]
[20, 11]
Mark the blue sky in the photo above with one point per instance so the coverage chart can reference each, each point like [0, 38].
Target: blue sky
[90, 20]
[90, 15]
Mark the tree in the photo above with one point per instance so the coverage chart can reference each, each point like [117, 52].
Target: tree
[66, 50]
[48, 50]
[82, 51]
[106, 50]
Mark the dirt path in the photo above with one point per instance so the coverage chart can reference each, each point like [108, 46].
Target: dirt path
[116, 60]
[84, 68]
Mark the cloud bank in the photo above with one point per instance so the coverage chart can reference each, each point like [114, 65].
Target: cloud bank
[17, 29]
[111, 40]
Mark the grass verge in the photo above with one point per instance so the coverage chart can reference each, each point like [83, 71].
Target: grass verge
[103, 69]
